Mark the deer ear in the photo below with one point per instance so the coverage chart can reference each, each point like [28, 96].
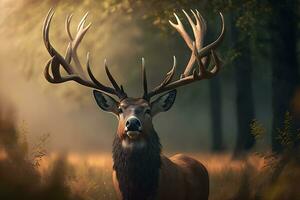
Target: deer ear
[163, 103]
[106, 102]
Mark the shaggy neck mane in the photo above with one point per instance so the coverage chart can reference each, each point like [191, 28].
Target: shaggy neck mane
[137, 170]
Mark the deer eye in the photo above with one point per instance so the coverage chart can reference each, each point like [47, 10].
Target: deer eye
[148, 111]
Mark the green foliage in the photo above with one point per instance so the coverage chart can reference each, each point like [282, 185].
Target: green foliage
[288, 136]
[249, 15]
[280, 172]
[155, 12]
[249, 20]
[257, 129]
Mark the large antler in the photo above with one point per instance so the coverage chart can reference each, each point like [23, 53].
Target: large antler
[200, 55]
[74, 73]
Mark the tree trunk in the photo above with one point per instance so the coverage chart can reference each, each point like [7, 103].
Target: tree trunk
[285, 72]
[216, 116]
[244, 95]
[244, 101]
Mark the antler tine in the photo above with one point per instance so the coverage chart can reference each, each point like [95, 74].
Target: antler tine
[169, 75]
[74, 44]
[118, 89]
[67, 26]
[205, 50]
[202, 70]
[46, 31]
[57, 78]
[48, 45]
[195, 27]
[81, 31]
[201, 26]
[202, 21]
[68, 57]
[198, 30]
[47, 73]
[217, 62]
[92, 77]
[203, 73]
[199, 54]
[75, 74]
[82, 22]
[180, 28]
[168, 78]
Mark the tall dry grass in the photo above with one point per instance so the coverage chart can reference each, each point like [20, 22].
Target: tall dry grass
[249, 178]
[19, 175]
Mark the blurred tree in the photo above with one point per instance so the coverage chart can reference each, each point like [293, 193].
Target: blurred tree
[242, 63]
[244, 95]
[244, 29]
[285, 75]
[216, 114]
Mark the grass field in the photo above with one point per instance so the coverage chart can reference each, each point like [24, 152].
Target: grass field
[90, 175]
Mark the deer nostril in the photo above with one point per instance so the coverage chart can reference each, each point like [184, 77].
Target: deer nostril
[127, 123]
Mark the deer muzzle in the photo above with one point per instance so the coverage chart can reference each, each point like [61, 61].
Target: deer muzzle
[133, 127]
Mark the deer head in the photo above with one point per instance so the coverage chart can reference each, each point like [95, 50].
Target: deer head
[134, 114]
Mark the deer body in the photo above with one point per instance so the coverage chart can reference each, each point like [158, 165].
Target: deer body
[140, 171]
[182, 169]
[189, 172]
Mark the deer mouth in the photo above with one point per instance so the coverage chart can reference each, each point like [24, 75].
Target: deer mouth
[133, 140]
[133, 135]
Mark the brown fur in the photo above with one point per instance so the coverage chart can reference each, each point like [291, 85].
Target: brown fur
[181, 178]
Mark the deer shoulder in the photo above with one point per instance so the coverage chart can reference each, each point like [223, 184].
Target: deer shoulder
[180, 176]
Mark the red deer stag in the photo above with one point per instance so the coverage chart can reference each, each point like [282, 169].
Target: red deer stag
[140, 171]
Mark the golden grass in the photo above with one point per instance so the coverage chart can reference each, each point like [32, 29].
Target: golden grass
[88, 176]
[91, 174]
